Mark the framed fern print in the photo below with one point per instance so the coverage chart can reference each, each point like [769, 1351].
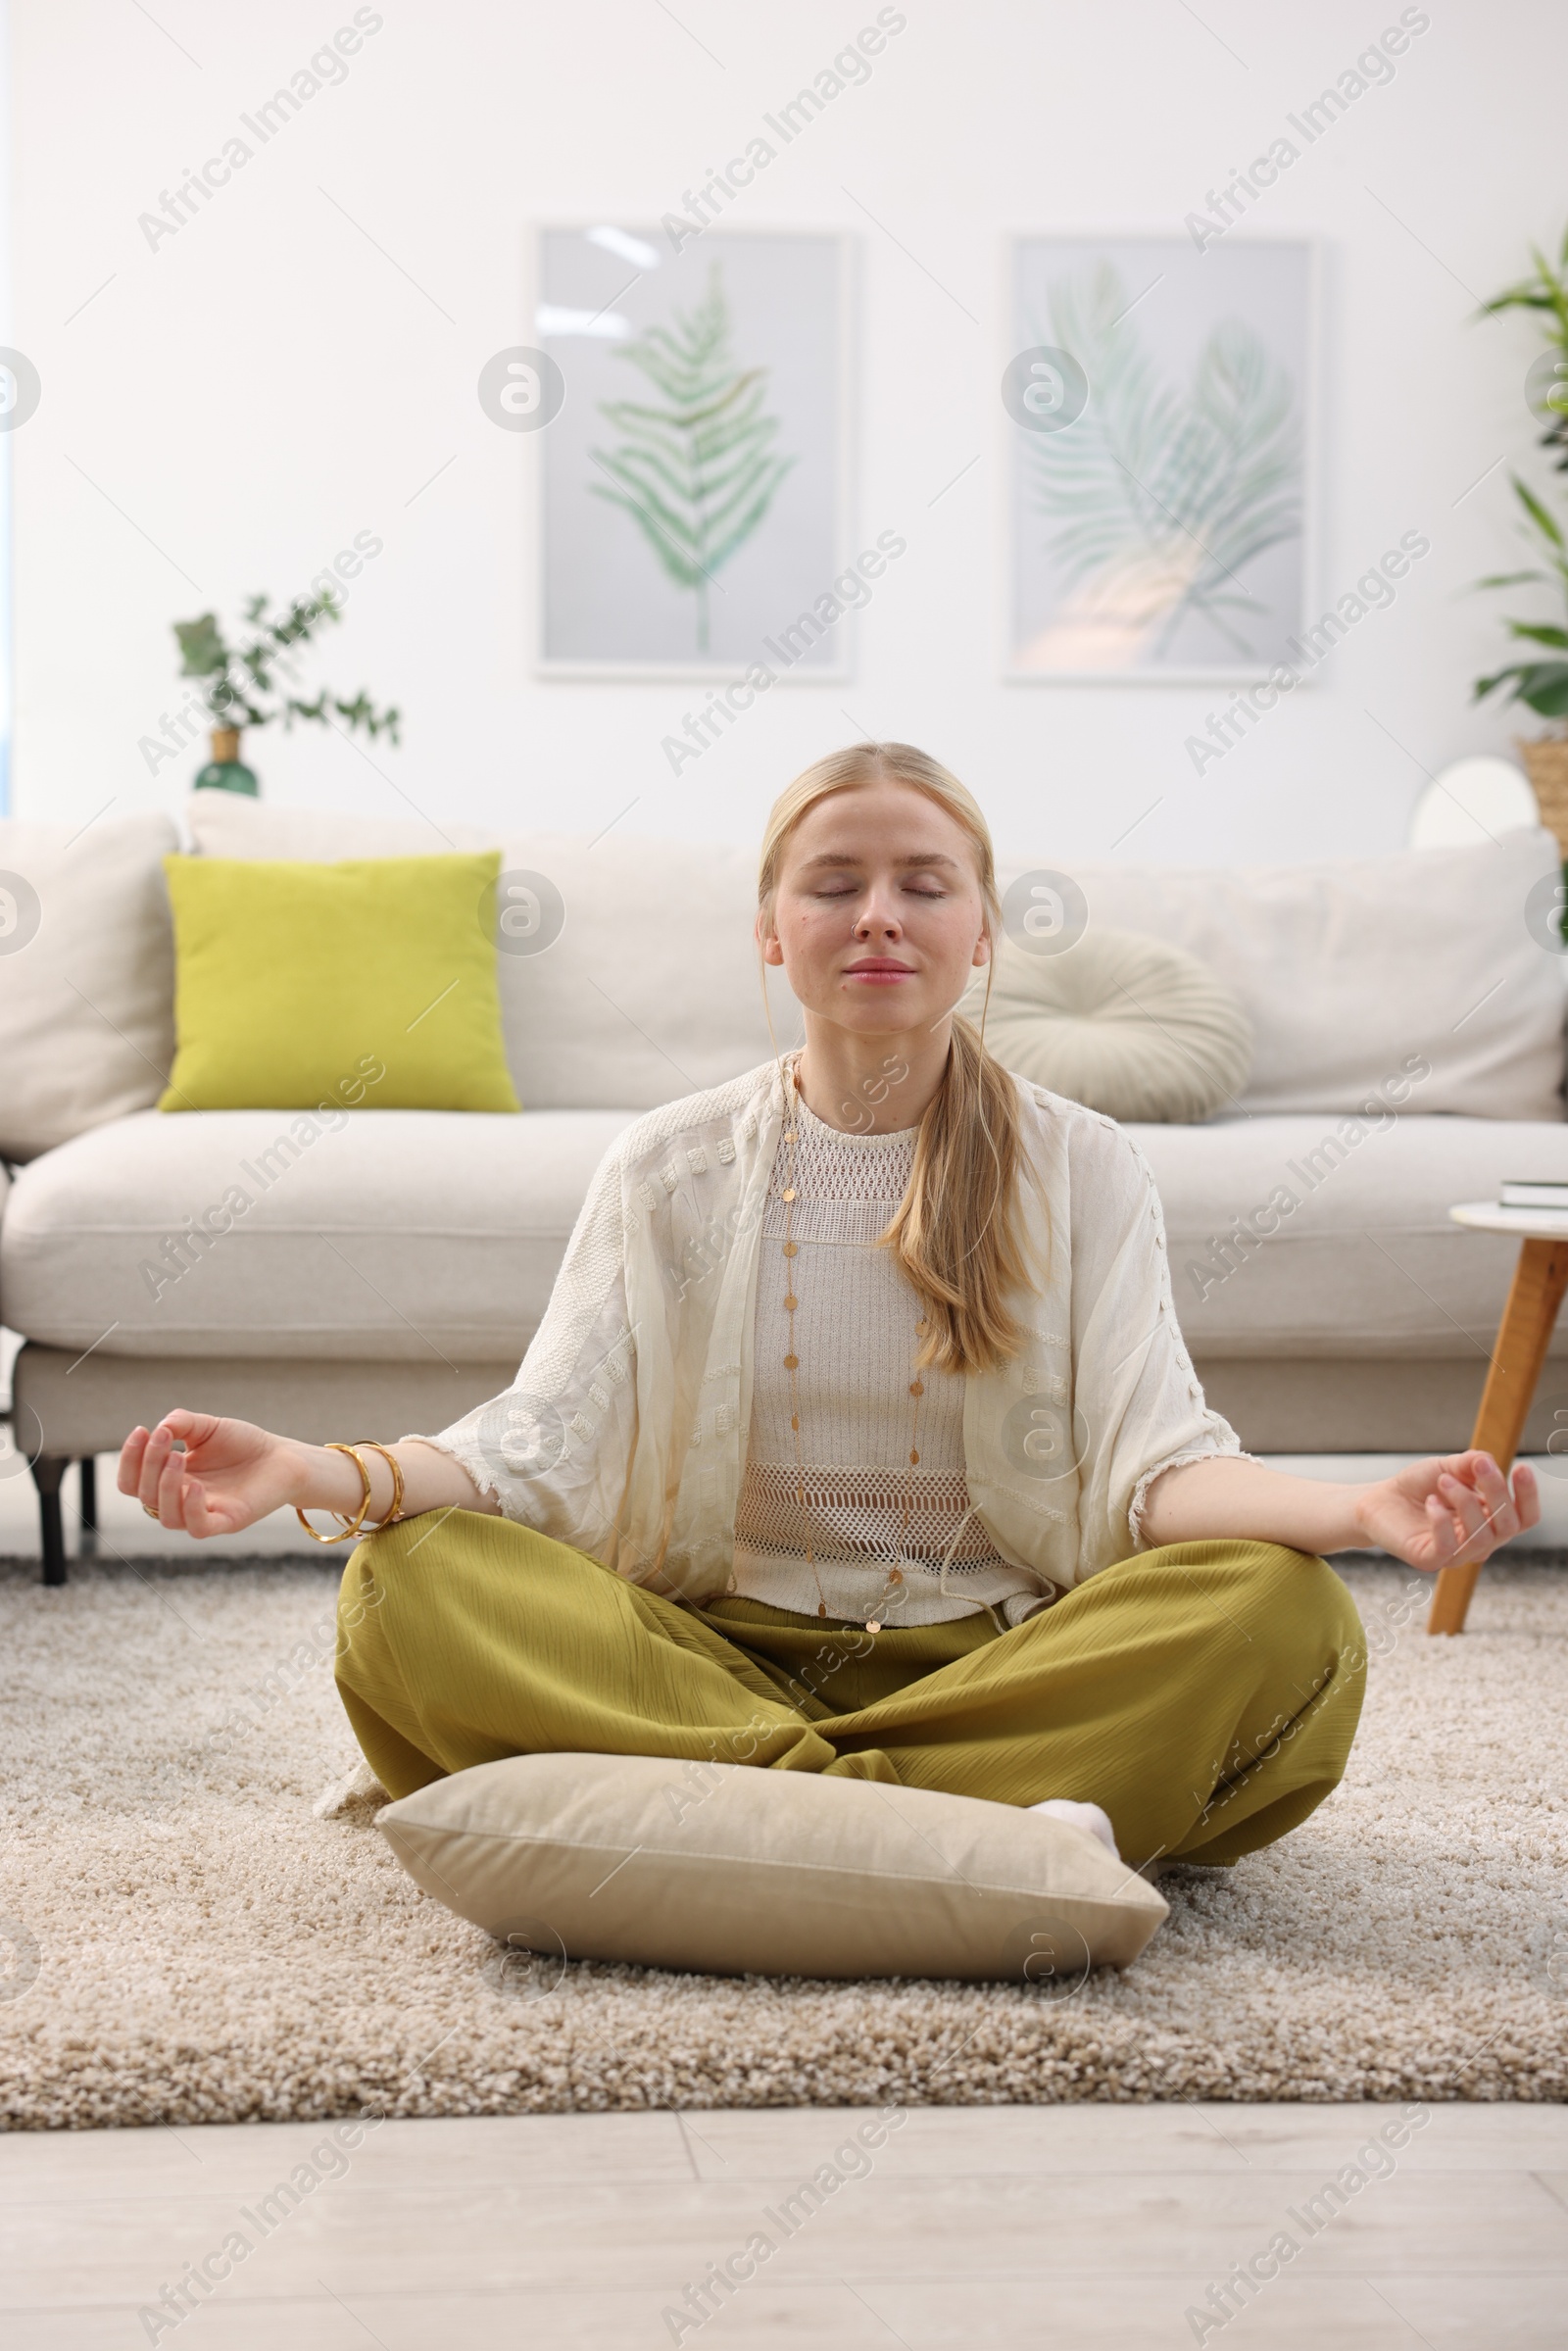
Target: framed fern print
[1160, 407]
[693, 476]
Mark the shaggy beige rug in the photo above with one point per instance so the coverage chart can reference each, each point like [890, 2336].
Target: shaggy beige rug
[184, 1943]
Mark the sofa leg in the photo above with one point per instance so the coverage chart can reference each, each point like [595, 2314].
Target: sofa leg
[47, 1472]
[87, 1474]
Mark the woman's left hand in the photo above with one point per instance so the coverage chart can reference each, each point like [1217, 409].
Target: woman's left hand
[1450, 1511]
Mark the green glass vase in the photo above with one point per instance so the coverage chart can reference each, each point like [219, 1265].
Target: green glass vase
[225, 772]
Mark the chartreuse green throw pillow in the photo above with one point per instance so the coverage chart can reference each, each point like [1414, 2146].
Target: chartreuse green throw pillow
[370, 983]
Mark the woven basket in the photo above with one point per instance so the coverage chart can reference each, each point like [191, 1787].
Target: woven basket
[1546, 765]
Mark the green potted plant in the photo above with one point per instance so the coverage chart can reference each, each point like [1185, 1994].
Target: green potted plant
[241, 688]
[1541, 682]
[1545, 292]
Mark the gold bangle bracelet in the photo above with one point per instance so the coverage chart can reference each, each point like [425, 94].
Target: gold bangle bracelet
[349, 1527]
[396, 1467]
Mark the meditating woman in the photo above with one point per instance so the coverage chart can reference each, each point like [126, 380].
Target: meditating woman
[859, 1436]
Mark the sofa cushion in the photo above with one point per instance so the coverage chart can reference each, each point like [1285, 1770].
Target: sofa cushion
[424, 1235]
[370, 979]
[627, 968]
[1347, 969]
[631, 976]
[435, 1236]
[1323, 1236]
[86, 976]
[1124, 1024]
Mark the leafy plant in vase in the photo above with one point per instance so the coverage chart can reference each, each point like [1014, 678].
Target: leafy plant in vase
[1541, 682]
[241, 686]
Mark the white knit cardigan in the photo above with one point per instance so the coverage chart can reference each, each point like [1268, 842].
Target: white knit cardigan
[623, 1432]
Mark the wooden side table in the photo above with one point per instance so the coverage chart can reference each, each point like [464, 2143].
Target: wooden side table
[1540, 1280]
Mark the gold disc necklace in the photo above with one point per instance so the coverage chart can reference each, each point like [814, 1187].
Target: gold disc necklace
[789, 1193]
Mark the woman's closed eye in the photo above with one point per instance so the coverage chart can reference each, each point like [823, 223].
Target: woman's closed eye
[913, 889]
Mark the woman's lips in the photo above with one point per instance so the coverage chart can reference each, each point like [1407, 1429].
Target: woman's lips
[878, 974]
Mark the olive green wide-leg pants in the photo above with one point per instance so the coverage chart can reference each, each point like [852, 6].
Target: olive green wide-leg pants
[1205, 1695]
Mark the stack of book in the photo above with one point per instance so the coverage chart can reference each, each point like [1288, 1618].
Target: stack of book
[1534, 1193]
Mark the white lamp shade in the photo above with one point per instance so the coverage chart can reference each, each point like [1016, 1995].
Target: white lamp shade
[1474, 799]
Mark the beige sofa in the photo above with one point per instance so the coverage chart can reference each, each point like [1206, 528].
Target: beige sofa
[388, 1268]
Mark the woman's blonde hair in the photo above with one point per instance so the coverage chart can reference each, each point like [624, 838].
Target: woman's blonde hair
[956, 1234]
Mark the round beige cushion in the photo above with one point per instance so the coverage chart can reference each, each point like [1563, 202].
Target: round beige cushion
[1121, 1023]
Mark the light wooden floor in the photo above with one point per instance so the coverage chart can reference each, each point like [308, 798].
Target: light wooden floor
[1077, 2228]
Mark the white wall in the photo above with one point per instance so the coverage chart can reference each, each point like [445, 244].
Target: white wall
[227, 411]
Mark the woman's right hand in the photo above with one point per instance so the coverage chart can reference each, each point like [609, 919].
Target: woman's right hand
[229, 1475]
[232, 1473]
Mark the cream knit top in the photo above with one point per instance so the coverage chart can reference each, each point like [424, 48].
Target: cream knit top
[627, 1431]
[854, 1338]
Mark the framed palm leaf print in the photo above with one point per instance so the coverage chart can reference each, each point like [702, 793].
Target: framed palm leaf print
[694, 475]
[1160, 407]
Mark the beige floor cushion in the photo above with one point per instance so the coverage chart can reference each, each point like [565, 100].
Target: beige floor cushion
[729, 1870]
[1124, 1023]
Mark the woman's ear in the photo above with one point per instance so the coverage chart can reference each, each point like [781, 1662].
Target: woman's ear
[768, 940]
[982, 951]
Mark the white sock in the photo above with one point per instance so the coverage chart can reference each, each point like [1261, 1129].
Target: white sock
[1080, 1816]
